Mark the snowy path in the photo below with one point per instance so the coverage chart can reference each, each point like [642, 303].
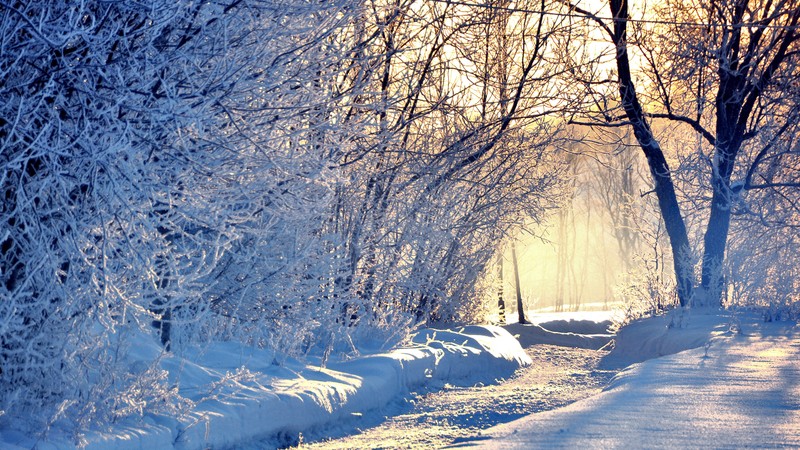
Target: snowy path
[739, 391]
[558, 376]
[738, 387]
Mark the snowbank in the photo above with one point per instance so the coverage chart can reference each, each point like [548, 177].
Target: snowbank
[585, 329]
[235, 405]
[594, 316]
[674, 332]
[531, 334]
[739, 389]
[644, 339]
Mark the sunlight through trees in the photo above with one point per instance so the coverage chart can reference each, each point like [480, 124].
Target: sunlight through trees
[311, 177]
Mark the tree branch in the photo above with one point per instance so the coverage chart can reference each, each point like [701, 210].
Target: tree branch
[591, 16]
[687, 120]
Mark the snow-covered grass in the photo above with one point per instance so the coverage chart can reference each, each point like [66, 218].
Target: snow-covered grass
[240, 395]
[738, 387]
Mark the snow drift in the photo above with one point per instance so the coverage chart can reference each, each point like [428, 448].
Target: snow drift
[240, 395]
[739, 389]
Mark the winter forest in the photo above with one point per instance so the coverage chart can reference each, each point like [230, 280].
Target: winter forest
[322, 179]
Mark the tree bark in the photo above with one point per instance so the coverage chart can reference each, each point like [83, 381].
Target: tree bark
[716, 237]
[501, 303]
[520, 306]
[659, 168]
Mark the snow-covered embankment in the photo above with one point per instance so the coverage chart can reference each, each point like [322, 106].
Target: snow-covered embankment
[271, 401]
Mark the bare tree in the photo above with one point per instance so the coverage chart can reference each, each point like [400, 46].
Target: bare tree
[454, 157]
[723, 70]
[286, 174]
[146, 151]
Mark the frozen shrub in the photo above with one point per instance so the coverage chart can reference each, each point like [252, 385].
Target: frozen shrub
[762, 273]
[646, 291]
[138, 155]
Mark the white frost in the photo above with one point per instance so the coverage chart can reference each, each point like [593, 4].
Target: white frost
[234, 407]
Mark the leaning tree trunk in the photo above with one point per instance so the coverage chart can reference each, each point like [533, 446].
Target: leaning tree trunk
[659, 168]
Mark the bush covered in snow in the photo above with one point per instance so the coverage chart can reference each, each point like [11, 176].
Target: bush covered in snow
[195, 171]
[131, 179]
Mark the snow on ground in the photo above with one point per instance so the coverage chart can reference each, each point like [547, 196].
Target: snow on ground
[739, 389]
[583, 329]
[242, 396]
[585, 317]
[428, 419]
[531, 334]
[440, 414]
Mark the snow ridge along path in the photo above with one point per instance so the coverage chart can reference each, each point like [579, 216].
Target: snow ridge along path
[440, 414]
[320, 396]
[430, 419]
[276, 401]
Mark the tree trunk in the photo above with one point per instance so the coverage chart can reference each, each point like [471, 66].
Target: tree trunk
[520, 306]
[501, 303]
[730, 112]
[715, 240]
[659, 168]
[716, 237]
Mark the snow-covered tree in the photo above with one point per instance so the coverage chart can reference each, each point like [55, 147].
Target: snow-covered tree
[143, 147]
[724, 70]
[294, 175]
